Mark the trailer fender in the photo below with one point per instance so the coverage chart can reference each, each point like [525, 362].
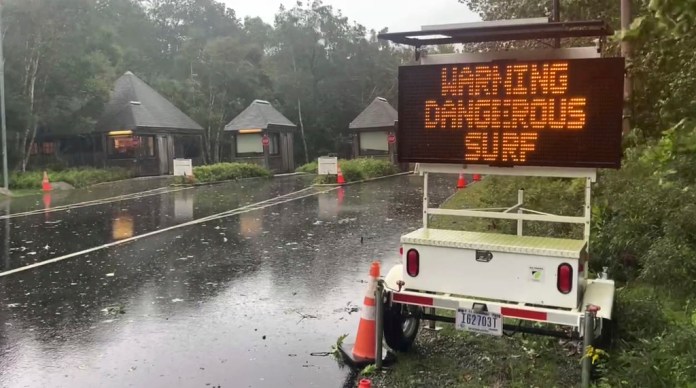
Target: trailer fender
[395, 274]
[600, 292]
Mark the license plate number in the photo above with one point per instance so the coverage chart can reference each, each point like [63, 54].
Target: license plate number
[483, 322]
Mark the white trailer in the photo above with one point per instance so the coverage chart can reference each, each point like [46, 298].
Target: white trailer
[490, 279]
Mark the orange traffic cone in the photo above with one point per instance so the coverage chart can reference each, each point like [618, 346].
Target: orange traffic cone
[365, 339]
[477, 177]
[340, 180]
[365, 383]
[45, 184]
[461, 183]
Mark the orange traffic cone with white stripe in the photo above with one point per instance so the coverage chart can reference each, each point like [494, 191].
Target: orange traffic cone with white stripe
[45, 184]
[477, 177]
[365, 340]
[362, 352]
[461, 183]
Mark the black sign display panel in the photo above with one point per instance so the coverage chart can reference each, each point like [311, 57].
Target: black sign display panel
[562, 113]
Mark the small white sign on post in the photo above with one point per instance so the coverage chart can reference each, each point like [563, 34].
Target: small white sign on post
[327, 165]
[183, 167]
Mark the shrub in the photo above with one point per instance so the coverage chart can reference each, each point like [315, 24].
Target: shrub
[645, 213]
[229, 171]
[77, 177]
[360, 169]
[309, 168]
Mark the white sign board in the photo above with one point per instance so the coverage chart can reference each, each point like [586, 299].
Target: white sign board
[183, 167]
[327, 165]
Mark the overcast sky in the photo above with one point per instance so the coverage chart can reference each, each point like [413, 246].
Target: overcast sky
[397, 15]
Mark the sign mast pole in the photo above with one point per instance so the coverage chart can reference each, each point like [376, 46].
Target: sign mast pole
[3, 125]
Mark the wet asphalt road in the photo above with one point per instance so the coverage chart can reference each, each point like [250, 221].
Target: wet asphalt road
[35, 238]
[236, 302]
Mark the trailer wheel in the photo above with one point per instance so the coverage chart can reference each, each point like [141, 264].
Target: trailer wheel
[401, 323]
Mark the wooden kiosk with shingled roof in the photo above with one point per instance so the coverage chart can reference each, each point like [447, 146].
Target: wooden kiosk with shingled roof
[262, 135]
[372, 130]
[142, 131]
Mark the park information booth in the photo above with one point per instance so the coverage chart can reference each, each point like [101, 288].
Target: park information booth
[374, 131]
[553, 112]
[263, 136]
[142, 131]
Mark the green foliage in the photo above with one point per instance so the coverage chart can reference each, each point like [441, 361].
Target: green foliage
[335, 349]
[645, 214]
[309, 168]
[557, 196]
[229, 171]
[77, 177]
[360, 169]
[653, 344]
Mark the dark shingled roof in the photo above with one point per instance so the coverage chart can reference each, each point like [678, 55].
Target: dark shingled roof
[259, 115]
[378, 114]
[134, 104]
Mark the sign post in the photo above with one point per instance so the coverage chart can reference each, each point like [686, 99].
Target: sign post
[505, 113]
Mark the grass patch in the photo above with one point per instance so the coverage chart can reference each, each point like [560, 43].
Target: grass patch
[229, 171]
[77, 177]
[452, 358]
[558, 196]
[359, 169]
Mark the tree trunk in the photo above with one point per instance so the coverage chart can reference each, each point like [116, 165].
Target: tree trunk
[299, 111]
[627, 53]
[304, 140]
[29, 136]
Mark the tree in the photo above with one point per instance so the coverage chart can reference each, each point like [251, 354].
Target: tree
[57, 78]
[325, 71]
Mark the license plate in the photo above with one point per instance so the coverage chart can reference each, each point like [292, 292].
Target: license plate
[483, 322]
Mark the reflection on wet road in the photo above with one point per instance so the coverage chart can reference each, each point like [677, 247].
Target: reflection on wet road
[236, 302]
[35, 238]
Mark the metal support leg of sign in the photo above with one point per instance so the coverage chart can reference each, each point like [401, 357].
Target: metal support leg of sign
[588, 338]
[425, 200]
[379, 323]
[520, 203]
[588, 211]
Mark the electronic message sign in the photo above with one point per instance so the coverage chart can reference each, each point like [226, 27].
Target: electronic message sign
[562, 112]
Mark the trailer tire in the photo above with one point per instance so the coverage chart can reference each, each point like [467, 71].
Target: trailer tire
[401, 323]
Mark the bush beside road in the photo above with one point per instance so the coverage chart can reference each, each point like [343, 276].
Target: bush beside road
[229, 171]
[353, 170]
[77, 177]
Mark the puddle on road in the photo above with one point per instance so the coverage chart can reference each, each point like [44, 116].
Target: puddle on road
[241, 301]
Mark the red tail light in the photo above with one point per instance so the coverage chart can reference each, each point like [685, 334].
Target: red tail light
[401, 251]
[565, 278]
[581, 267]
[412, 263]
